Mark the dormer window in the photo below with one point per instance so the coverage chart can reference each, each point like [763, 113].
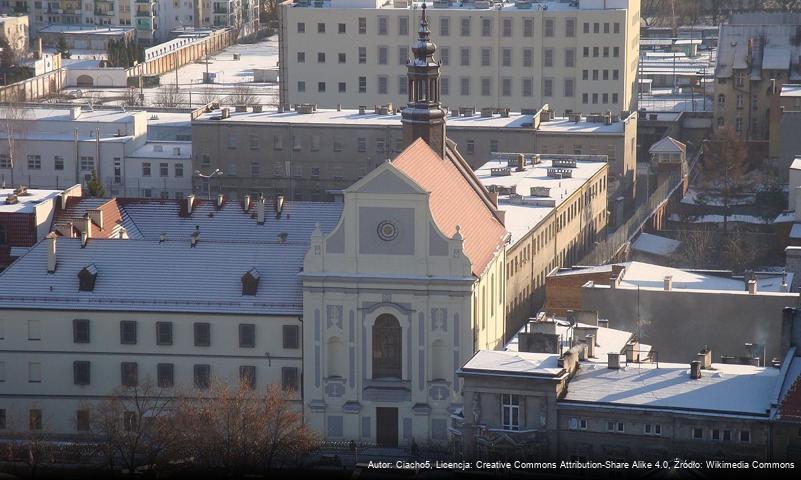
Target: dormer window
[250, 282]
[87, 277]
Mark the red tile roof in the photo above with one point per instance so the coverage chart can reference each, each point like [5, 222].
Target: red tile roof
[77, 207]
[456, 198]
[790, 404]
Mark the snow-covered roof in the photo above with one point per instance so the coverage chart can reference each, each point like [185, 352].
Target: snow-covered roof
[523, 214]
[169, 276]
[725, 389]
[795, 231]
[656, 245]
[668, 145]
[565, 125]
[163, 150]
[513, 363]
[25, 203]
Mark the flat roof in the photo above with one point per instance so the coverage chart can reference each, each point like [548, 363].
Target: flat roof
[725, 389]
[514, 362]
[523, 214]
[163, 150]
[64, 115]
[25, 203]
[85, 29]
[791, 90]
[546, 5]
[565, 125]
[655, 244]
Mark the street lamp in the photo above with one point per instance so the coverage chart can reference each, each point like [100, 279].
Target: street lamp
[208, 179]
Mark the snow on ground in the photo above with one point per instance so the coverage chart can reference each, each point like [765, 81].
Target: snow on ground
[674, 217]
[655, 244]
[694, 197]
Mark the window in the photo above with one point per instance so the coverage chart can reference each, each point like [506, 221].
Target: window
[403, 55]
[165, 375]
[570, 27]
[387, 344]
[506, 87]
[342, 58]
[164, 170]
[528, 87]
[615, 74]
[510, 412]
[403, 85]
[80, 331]
[179, 170]
[34, 372]
[739, 99]
[652, 429]
[403, 25]
[506, 57]
[382, 55]
[342, 28]
[570, 57]
[486, 87]
[615, 52]
[202, 334]
[320, 28]
[444, 26]
[202, 374]
[721, 99]
[146, 169]
[320, 57]
[289, 378]
[547, 87]
[362, 84]
[34, 330]
[128, 332]
[382, 25]
[549, 29]
[321, 87]
[87, 163]
[81, 373]
[362, 25]
[464, 56]
[361, 143]
[301, 57]
[82, 420]
[247, 376]
[34, 419]
[129, 421]
[616, 27]
[745, 436]
[727, 435]
[445, 55]
[486, 27]
[595, 52]
[698, 433]
[528, 56]
[247, 335]
[5, 160]
[465, 27]
[362, 55]
[291, 335]
[464, 86]
[575, 423]
[547, 58]
[445, 85]
[471, 146]
[301, 27]
[507, 27]
[164, 333]
[586, 52]
[129, 374]
[528, 27]
[343, 87]
[34, 162]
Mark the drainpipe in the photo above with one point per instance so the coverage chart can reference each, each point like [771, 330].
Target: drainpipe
[97, 152]
[77, 158]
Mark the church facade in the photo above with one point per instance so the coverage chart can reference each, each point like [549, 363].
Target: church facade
[400, 294]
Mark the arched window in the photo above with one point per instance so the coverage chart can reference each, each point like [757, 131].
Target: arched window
[439, 361]
[387, 357]
[335, 357]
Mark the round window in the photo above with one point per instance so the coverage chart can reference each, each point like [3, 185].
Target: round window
[387, 231]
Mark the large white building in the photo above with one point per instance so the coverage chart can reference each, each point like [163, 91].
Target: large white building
[577, 55]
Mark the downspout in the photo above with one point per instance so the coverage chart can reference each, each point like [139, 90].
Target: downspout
[77, 158]
[97, 153]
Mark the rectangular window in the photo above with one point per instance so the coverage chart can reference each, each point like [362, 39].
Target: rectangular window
[321, 28]
[445, 85]
[202, 334]
[403, 55]
[606, 27]
[403, 85]
[202, 374]
[486, 27]
[289, 378]
[745, 436]
[510, 412]
[343, 87]
[445, 55]
[383, 81]
[342, 58]
[58, 162]
[471, 147]
[549, 27]
[301, 57]
[247, 376]
[547, 87]
[5, 160]
[128, 332]
[301, 27]
[727, 435]
[382, 25]
[528, 27]
[34, 419]
[698, 433]
[179, 170]
[464, 86]
[465, 27]
[362, 55]
[528, 87]
[165, 374]
[81, 373]
[247, 335]
[464, 56]
[34, 330]
[506, 56]
[615, 52]
[547, 58]
[320, 57]
[164, 170]
[486, 89]
[164, 333]
[362, 25]
[342, 28]
[403, 25]
[570, 27]
[617, 27]
[569, 87]
[82, 420]
[362, 84]
[383, 55]
[80, 331]
[444, 26]
[321, 87]
[146, 169]
[129, 374]
[291, 334]
[528, 57]
[506, 87]
[87, 163]
[570, 58]
[716, 434]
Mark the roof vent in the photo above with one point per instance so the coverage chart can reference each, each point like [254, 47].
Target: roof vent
[500, 172]
[560, 173]
[613, 360]
[564, 162]
[87, 277]
[195, 236]
[250, 282]
[246, 203]
[540, 191]
[695, 370]
[282, 237]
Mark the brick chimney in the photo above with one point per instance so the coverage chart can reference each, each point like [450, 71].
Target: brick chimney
[260, 210]
[97, 216]
[705, 357]
[613, 360]
[51, 252]
[752, 287]
[695, 370]
[668, 283]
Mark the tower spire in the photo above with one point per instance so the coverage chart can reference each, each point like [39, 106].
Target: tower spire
[423, 116]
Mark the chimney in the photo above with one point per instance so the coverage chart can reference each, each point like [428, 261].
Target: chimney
[603, 322]
[752, 287]
[785, 287]
[705, 358]
[219, 200]
[190, 200]
[195, 237]
[590, 346]
[84, 239]
[260, 210]
[695, 370]
[668, 283]
[87, 227]
[613, 360]
[65, 229]
[97, 216]
[51, 252]
[617, 270]
[279, 205]
[521, 162]
[246, 203]
[632, 352]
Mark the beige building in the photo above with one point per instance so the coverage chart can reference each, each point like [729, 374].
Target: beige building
[554, 208]
[306, 153]
[580, 56]
[14, 30]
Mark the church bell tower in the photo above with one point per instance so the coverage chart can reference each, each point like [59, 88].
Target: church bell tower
[423, 116]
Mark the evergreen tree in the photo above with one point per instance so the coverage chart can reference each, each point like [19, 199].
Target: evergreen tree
[95, 187]
[62, 47]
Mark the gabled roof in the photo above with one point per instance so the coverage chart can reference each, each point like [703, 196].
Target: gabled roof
[456, 198]
[790, 400]
[668, 145]
[114, 217]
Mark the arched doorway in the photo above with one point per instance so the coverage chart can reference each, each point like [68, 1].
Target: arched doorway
[387, 348]
[85, 81]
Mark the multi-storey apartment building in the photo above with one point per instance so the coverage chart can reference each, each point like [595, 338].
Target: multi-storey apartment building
[14, 29]
[580, 56]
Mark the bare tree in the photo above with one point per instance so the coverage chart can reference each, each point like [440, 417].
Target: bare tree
[694, 251]
[209, 95]
[724, 169]
[131, 97]
[15, 126]
[33, 447]
[169, 96]
[243, 94]
[134, 427]
[241, 430]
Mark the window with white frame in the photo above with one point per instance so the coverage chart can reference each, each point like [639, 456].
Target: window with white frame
[510, 411]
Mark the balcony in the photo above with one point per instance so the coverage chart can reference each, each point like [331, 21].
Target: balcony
[144, 14]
